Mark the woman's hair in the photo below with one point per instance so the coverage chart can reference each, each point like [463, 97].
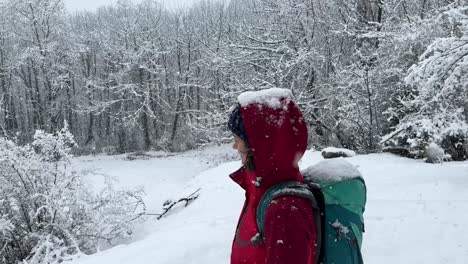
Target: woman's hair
[249, 162]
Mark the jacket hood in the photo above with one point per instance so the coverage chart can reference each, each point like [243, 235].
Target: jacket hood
[276, 132]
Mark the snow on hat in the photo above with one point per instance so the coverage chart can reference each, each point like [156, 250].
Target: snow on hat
[270, 97]
[235, 123]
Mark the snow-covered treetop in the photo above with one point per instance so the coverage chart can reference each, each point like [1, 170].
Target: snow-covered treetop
[271, 97]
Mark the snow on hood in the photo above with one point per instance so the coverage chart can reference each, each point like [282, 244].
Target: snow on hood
[270, 97]
[277, 134]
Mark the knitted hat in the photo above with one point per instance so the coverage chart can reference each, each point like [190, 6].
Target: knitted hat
[235, 123]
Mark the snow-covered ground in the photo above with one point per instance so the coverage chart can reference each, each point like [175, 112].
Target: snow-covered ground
[416, 212]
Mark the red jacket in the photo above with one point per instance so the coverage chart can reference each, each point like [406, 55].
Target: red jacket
[278, 139]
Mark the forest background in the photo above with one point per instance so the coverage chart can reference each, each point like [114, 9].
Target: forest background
[367, 74]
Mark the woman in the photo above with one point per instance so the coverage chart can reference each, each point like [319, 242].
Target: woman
[270, 135]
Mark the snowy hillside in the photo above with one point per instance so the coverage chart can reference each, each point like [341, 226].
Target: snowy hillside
[416, 212]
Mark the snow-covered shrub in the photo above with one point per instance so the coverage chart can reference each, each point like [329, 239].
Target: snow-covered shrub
[439, 110]
[48, 213]
[457, 146]
[447, 129]
[54, 147]
[434, 153]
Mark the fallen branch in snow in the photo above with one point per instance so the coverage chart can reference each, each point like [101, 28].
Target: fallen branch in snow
[144, 156]
[168, 205]
[401, 151]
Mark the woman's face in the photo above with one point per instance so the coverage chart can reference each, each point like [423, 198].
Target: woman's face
[241, 148]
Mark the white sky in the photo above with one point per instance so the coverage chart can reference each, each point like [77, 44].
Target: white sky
[77, 5]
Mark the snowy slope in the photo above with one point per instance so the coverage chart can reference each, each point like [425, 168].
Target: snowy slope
[416, 212]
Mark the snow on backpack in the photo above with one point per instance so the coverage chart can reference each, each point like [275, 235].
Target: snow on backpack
[338, 195]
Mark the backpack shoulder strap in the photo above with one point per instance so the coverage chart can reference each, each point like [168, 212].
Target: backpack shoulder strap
[295, 189]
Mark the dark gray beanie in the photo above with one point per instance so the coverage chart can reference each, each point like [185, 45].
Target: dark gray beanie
[236, 125]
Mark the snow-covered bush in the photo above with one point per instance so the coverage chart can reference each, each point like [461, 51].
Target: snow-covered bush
[48, 213]
[447, 129]
[434, 153]
[439, 110]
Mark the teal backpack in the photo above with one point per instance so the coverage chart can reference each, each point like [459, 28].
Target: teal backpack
[337, 192]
